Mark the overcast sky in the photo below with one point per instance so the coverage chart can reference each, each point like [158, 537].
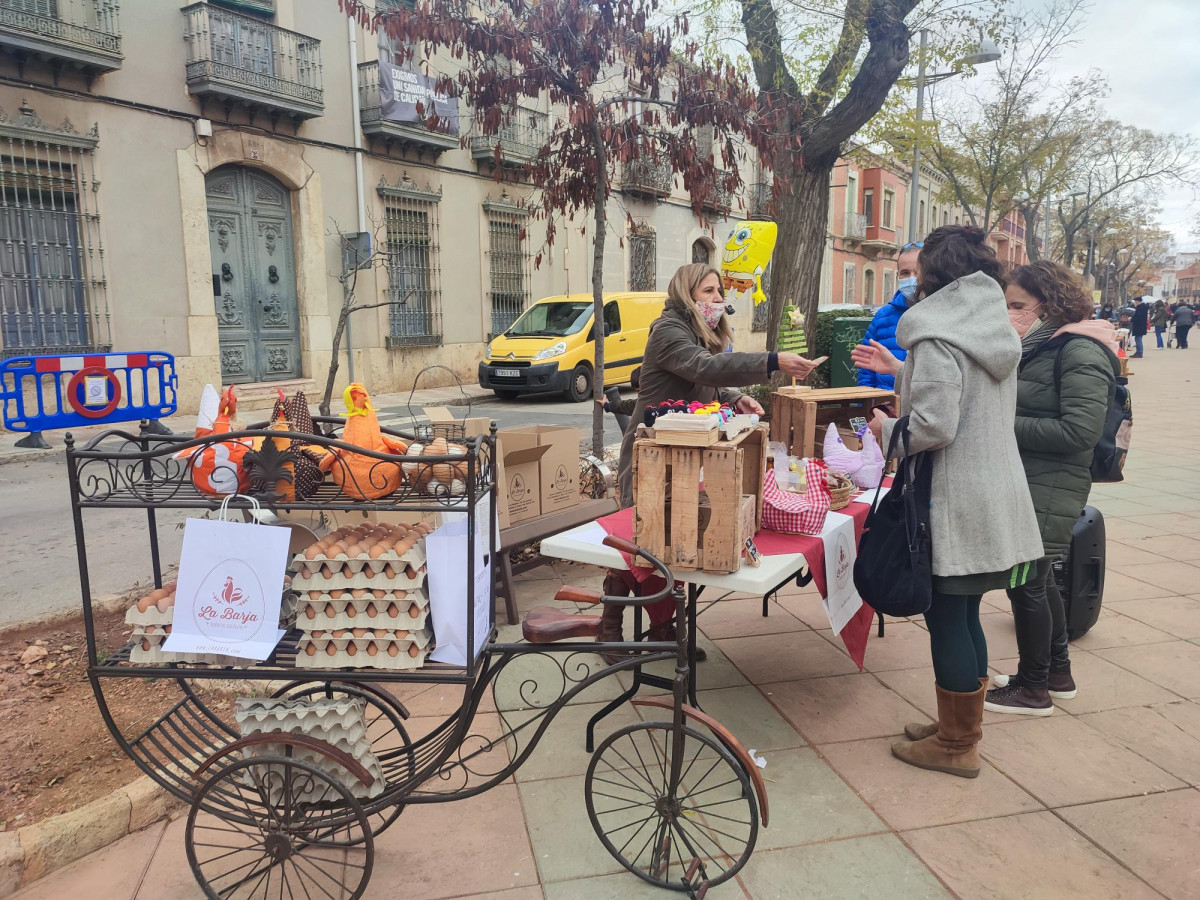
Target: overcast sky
[1150, 52]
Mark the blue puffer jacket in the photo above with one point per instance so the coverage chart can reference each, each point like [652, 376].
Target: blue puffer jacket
[883, 329]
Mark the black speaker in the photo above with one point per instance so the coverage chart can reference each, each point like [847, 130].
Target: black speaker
[1080, 576]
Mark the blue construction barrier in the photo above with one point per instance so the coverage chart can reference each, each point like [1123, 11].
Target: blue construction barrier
[40, 393]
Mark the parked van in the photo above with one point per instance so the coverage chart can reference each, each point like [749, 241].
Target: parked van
[549, 348]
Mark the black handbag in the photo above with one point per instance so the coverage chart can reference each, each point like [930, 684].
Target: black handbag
[893, 572]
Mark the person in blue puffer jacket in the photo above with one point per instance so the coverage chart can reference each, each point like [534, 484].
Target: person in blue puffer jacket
[883, 325]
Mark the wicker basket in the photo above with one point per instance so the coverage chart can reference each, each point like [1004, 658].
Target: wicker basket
[842, 492]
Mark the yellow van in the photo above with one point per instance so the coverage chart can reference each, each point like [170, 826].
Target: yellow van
[549, 348]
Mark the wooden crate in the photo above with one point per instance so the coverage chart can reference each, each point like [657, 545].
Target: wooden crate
[800, 416]
[689, 528]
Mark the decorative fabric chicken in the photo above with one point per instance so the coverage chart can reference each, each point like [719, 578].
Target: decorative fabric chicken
[217, 468]
[297, 476]
[865, 466]
[364, 477]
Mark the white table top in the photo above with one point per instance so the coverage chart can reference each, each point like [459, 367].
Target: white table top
[582, 544]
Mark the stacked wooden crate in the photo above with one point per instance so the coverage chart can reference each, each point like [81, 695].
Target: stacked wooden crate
[800, 416]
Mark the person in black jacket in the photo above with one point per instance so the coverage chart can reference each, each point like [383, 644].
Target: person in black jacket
[1138, 324]
[1185, 318]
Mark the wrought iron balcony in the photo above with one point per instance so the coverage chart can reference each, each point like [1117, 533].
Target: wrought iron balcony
[413, 134]
[647, 176]
[519, 141]
[240, 60]
[716, 197]
[80, 33]
[761, 203]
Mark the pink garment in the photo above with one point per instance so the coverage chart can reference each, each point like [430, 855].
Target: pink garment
[1097, 329]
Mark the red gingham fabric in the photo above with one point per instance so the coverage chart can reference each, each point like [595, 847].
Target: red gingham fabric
[797, 513]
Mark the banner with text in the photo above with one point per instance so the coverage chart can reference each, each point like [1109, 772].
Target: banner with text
[401, 90]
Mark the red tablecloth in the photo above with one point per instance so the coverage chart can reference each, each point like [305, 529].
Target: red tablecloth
[771, 543]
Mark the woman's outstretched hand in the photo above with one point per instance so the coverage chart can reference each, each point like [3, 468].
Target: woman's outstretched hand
[796, 366]
[876, 358]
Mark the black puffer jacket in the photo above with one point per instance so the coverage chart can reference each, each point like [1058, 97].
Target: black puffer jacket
[1057, 430]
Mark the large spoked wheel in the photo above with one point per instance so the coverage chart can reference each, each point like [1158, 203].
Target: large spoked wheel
[713, 816]
[389, 739]
[274, 826]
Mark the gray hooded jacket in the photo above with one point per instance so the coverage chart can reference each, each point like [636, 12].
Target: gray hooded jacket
[958, 387]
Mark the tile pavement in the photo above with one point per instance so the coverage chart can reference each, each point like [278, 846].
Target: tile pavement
[1099, 801]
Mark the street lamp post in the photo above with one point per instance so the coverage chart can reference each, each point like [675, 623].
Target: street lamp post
[985, 52]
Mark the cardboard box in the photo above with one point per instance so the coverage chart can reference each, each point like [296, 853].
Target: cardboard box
[558, 479]
[517, 471]
[445, 425]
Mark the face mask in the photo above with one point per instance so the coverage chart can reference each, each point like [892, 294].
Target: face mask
[711, 314]
[1023, 319]
[908, 287]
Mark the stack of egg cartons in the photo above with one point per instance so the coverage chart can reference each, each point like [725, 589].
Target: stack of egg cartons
[151, 620]
[362, 599]
[339, 722]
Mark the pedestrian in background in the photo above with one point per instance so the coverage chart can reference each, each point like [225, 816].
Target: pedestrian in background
[1158, 318]
[1185, 318]
[1138, 324]
[886, 319]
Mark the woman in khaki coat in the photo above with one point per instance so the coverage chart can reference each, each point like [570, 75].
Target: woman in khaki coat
[686, 359]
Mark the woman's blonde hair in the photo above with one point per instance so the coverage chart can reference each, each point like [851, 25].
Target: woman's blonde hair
[685, 280]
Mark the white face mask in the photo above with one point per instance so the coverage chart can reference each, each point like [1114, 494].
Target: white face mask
[711, 314]
[908, 286]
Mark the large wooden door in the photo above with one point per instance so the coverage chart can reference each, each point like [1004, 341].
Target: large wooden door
[254, 278]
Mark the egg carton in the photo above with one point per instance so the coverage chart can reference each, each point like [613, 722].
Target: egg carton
[414, 557]
[303, 788]
[409, 654]
[153, 615]
[409, 578]
[358, 614]
[343, 637]
[156, 655]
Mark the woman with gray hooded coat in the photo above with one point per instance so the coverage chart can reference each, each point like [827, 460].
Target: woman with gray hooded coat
[958, 387]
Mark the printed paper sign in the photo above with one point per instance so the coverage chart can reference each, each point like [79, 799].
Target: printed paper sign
[841, 597]
[95, 390]
[229, 589]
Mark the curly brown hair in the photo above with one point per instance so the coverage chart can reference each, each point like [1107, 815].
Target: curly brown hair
[953, 252]
[1061, 292]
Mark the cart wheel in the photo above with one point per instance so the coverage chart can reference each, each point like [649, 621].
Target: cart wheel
[713, 818]
[273, 826]
[389, 739]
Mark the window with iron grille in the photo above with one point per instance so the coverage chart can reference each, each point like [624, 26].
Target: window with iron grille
[848, 272]
[413, 264]
[52, 286]
[508, 265]
[889, 287]
[643, 275]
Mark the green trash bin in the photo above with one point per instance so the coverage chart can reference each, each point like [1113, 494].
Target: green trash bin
[847, 334]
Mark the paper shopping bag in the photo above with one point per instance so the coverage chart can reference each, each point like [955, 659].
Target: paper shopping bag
[446, 553]
[229, 589]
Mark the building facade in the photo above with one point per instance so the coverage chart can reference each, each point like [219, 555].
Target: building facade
[191, 181]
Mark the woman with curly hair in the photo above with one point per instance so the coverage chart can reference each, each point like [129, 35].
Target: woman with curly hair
[1065, 385]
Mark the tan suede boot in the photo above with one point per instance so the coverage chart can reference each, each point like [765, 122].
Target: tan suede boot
[953, 749]
[916, 731]
[612, 618]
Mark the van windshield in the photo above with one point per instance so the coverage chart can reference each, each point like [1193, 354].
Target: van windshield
[552, 319]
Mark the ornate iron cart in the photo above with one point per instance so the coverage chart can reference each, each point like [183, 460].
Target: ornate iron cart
[676, 801]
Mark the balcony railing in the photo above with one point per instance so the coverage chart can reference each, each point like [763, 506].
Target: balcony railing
[856, 226]
[526, 132]
[761, 203]
[716, 197]
[647, 176]
[242, 60]
[85, 33]
[413, 134]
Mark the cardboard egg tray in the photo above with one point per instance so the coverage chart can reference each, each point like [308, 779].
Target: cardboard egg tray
[370, 576]
[414, 557]
[351, 613]
[156, 655]
[339, 722]
[361, 658]
[288, 607]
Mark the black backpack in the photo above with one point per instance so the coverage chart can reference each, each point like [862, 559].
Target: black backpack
[1108, 459]
[893, 571]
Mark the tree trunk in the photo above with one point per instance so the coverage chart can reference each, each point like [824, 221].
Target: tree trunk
[335, 356]
[803, 217]
[599, 212]
[1031, 247]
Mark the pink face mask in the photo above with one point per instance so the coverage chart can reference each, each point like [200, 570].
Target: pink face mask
[712, 314]
[1023, 319]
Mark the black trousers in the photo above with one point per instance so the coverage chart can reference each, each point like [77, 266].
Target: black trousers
[1181, 334]
[1041, 622]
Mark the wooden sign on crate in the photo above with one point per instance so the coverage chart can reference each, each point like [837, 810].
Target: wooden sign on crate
[692, 526]
[800, 416]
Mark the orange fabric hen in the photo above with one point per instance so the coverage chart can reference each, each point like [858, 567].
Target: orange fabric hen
[364, 477]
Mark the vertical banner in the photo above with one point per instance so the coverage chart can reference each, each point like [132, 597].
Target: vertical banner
[402, 88]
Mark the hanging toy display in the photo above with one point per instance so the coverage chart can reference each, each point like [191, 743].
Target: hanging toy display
[745, 259]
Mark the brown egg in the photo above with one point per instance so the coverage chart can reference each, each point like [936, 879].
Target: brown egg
[372, 649]
[388, 571]
[327, 572]
[414, 611]
[378, 595]
[354, 551]
[338, 594]
[377, 551]
[156, 593]
[145, 644]
[393, 649]
[331, 650]
[318, 633]
[372, 612]
[410, 573]
[315, 595]
[382, 633]
[150, 629]
[310, 612]
[165, 602]
[310, 649]
[167, 629]
[358, 593]
[414, 651]
[306, 572]
[287, 581]
[359, 632]
[340, 632]
[392, 610]
[351, 650]
[351, 611]
[312, 552]
[144, 603]
[401, 635]
[330, 610]
[347, 571]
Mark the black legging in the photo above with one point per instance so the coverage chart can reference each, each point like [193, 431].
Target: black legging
[956, 642]
[1041, 622]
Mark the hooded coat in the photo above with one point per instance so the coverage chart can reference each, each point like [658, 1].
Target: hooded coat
[883, 329]
[1058, 425]
[679, 366]
[958, 387]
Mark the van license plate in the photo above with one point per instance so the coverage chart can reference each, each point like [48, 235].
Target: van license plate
[506, 373]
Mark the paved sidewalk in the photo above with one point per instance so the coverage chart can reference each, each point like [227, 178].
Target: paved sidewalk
[1098, 801]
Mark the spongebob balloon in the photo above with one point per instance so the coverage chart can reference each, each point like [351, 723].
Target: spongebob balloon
[747, 253]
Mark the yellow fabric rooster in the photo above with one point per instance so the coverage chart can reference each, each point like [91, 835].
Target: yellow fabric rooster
[364, 477]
